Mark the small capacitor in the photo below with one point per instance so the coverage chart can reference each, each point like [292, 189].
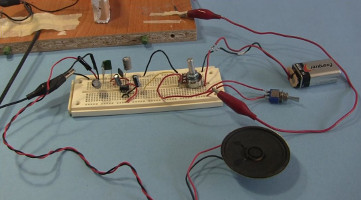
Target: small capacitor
[127, 63]
[96, 83]
[117, 80]
[136, 81]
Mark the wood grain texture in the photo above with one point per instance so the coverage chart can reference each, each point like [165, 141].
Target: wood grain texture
[125, 27]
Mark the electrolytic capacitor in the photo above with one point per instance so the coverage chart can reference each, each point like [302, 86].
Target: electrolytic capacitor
[127, 63]
[136, 81]
[117, 80]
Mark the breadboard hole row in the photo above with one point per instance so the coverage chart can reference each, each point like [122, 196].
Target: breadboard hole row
[85, 100]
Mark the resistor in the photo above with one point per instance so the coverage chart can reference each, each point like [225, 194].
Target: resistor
[127, 63]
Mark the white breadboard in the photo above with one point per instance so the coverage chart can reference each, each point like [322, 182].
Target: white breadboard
[86, 100]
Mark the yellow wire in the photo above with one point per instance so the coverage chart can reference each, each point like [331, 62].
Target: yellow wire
[167, 72]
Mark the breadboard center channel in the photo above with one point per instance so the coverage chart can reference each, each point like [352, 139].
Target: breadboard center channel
[86, 100]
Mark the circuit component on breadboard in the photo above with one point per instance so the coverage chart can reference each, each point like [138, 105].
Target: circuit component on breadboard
[85, 100]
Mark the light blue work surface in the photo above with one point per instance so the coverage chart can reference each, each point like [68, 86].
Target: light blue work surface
[161, 145]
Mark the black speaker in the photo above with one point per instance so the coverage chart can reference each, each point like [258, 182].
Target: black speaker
[255, 152]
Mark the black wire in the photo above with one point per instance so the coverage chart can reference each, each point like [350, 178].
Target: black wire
[254, 43]
[127, 93]
[56, 10]
[204, 60]
[230, 52]
[93, 61]
[221, 48]
[12, 79]
[82, 75]
[205, 157]
[13, 103]
[95, 170]
[27, 7]
[72, 66]
[150, 59]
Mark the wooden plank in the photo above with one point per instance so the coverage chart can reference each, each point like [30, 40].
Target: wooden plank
[126, 26]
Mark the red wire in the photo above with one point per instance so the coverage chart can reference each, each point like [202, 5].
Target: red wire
[65, 148]
[94, 74]
[134, 95]
[240, 94]
[209, 90]
[190, 167]
[239, 50]
[328, 55]
[239, 83]
[161, 82]
[52, 68]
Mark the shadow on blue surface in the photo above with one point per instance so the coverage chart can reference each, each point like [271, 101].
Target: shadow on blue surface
[277, 184]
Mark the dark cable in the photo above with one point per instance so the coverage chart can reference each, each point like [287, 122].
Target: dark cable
[56, 10]
[82, 75]
[36, 36]
[72, 66]
[205, 157]
[127, 93]
[150, 59]
[230, 52]
[27, 7]
[13, 103]
[204, 60]
[93, 61]
[254, 43]
[87, 163]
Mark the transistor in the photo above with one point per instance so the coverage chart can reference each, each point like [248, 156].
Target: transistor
[106, 65]
[121, 73]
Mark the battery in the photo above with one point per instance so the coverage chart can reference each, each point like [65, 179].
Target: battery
[313, 73]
